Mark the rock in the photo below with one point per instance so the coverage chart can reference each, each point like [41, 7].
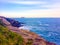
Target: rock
[14, 23]
[9, 21]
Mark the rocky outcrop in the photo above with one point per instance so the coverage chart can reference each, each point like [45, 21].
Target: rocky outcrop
[9, 21]
[14, 23]
[30, 38]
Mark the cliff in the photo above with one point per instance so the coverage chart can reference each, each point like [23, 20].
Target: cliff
[11, 35]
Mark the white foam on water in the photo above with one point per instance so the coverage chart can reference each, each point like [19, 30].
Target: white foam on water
[26, 27]
[46, 24]
[49, 35]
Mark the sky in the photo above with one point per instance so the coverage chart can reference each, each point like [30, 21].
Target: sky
[30, 8]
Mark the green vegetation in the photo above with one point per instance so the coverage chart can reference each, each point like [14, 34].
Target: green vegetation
[30, 41]
[9, 38]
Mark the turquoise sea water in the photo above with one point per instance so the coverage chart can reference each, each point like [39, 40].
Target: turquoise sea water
[48, 28]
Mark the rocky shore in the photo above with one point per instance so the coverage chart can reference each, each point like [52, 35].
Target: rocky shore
[30, 38]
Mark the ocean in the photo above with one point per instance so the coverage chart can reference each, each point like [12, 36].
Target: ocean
[48, 28]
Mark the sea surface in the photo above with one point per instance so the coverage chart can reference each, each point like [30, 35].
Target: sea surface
[48, 28]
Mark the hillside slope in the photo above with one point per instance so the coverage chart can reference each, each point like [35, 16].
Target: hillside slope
[11, 35]
[9, 38]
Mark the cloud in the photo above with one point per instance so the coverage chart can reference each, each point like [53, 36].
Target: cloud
[33, 13]
[56, 0]
[53, 9]
[23, 2]
[27, 2]
[53, 6]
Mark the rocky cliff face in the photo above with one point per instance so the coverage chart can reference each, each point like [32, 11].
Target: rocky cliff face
[14, 23]
[30, 38]
[9, 21]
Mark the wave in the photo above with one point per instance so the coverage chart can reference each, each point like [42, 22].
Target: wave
[26, 27]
